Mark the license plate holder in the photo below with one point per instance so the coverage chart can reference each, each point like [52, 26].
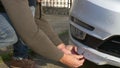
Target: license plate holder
[79, 34]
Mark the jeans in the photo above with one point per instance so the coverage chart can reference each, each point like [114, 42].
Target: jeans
[9, 37]
[32, 4]
[7, 33]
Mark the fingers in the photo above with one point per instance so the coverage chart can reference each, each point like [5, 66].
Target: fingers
[66, 51]
[75, 48]
[61, 46]
[79, 60]
[69, 47]
[79, 63]
[72, 49]
[79, 57]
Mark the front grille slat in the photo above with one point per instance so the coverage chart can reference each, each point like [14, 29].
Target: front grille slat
[89, 40]
[111, 46]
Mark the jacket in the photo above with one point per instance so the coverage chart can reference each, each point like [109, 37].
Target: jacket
[40, 41]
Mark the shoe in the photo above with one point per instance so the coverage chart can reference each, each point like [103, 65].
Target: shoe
[23, 63]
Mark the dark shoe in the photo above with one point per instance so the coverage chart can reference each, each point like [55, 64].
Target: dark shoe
[23, 63]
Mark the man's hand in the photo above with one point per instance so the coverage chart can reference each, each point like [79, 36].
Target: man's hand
[73, 61]
[73, 49]
[62, 47]
[68, 49]
[71, 57]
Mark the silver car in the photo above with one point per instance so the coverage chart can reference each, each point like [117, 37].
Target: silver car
[95, 29]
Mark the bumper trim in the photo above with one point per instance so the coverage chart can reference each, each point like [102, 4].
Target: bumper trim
[96, 56]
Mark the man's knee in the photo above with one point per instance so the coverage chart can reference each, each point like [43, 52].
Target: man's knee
[7, 37]
[13, 38]
[7, 33]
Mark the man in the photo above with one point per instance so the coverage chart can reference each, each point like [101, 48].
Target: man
[8, 37]
[41, 41]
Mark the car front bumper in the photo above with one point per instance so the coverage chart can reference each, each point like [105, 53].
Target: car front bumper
[95, 56]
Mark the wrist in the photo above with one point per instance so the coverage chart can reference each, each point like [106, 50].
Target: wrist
[61, 46]
[63, 58]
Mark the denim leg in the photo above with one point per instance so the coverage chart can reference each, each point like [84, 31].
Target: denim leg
[7, 33]
[20, 49]
[9, 37]
[32, 4]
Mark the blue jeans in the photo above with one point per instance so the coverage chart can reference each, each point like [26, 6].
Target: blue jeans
[7, 33]
[9, 37]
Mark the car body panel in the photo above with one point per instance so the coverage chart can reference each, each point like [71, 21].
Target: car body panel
[100, 14]
[104, 16]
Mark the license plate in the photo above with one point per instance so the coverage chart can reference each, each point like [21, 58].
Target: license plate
[77, 33]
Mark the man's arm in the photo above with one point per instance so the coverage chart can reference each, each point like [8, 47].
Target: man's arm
[24, 24]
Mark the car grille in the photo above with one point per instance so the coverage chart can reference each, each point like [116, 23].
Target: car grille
[111, 46]
[89, 40]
